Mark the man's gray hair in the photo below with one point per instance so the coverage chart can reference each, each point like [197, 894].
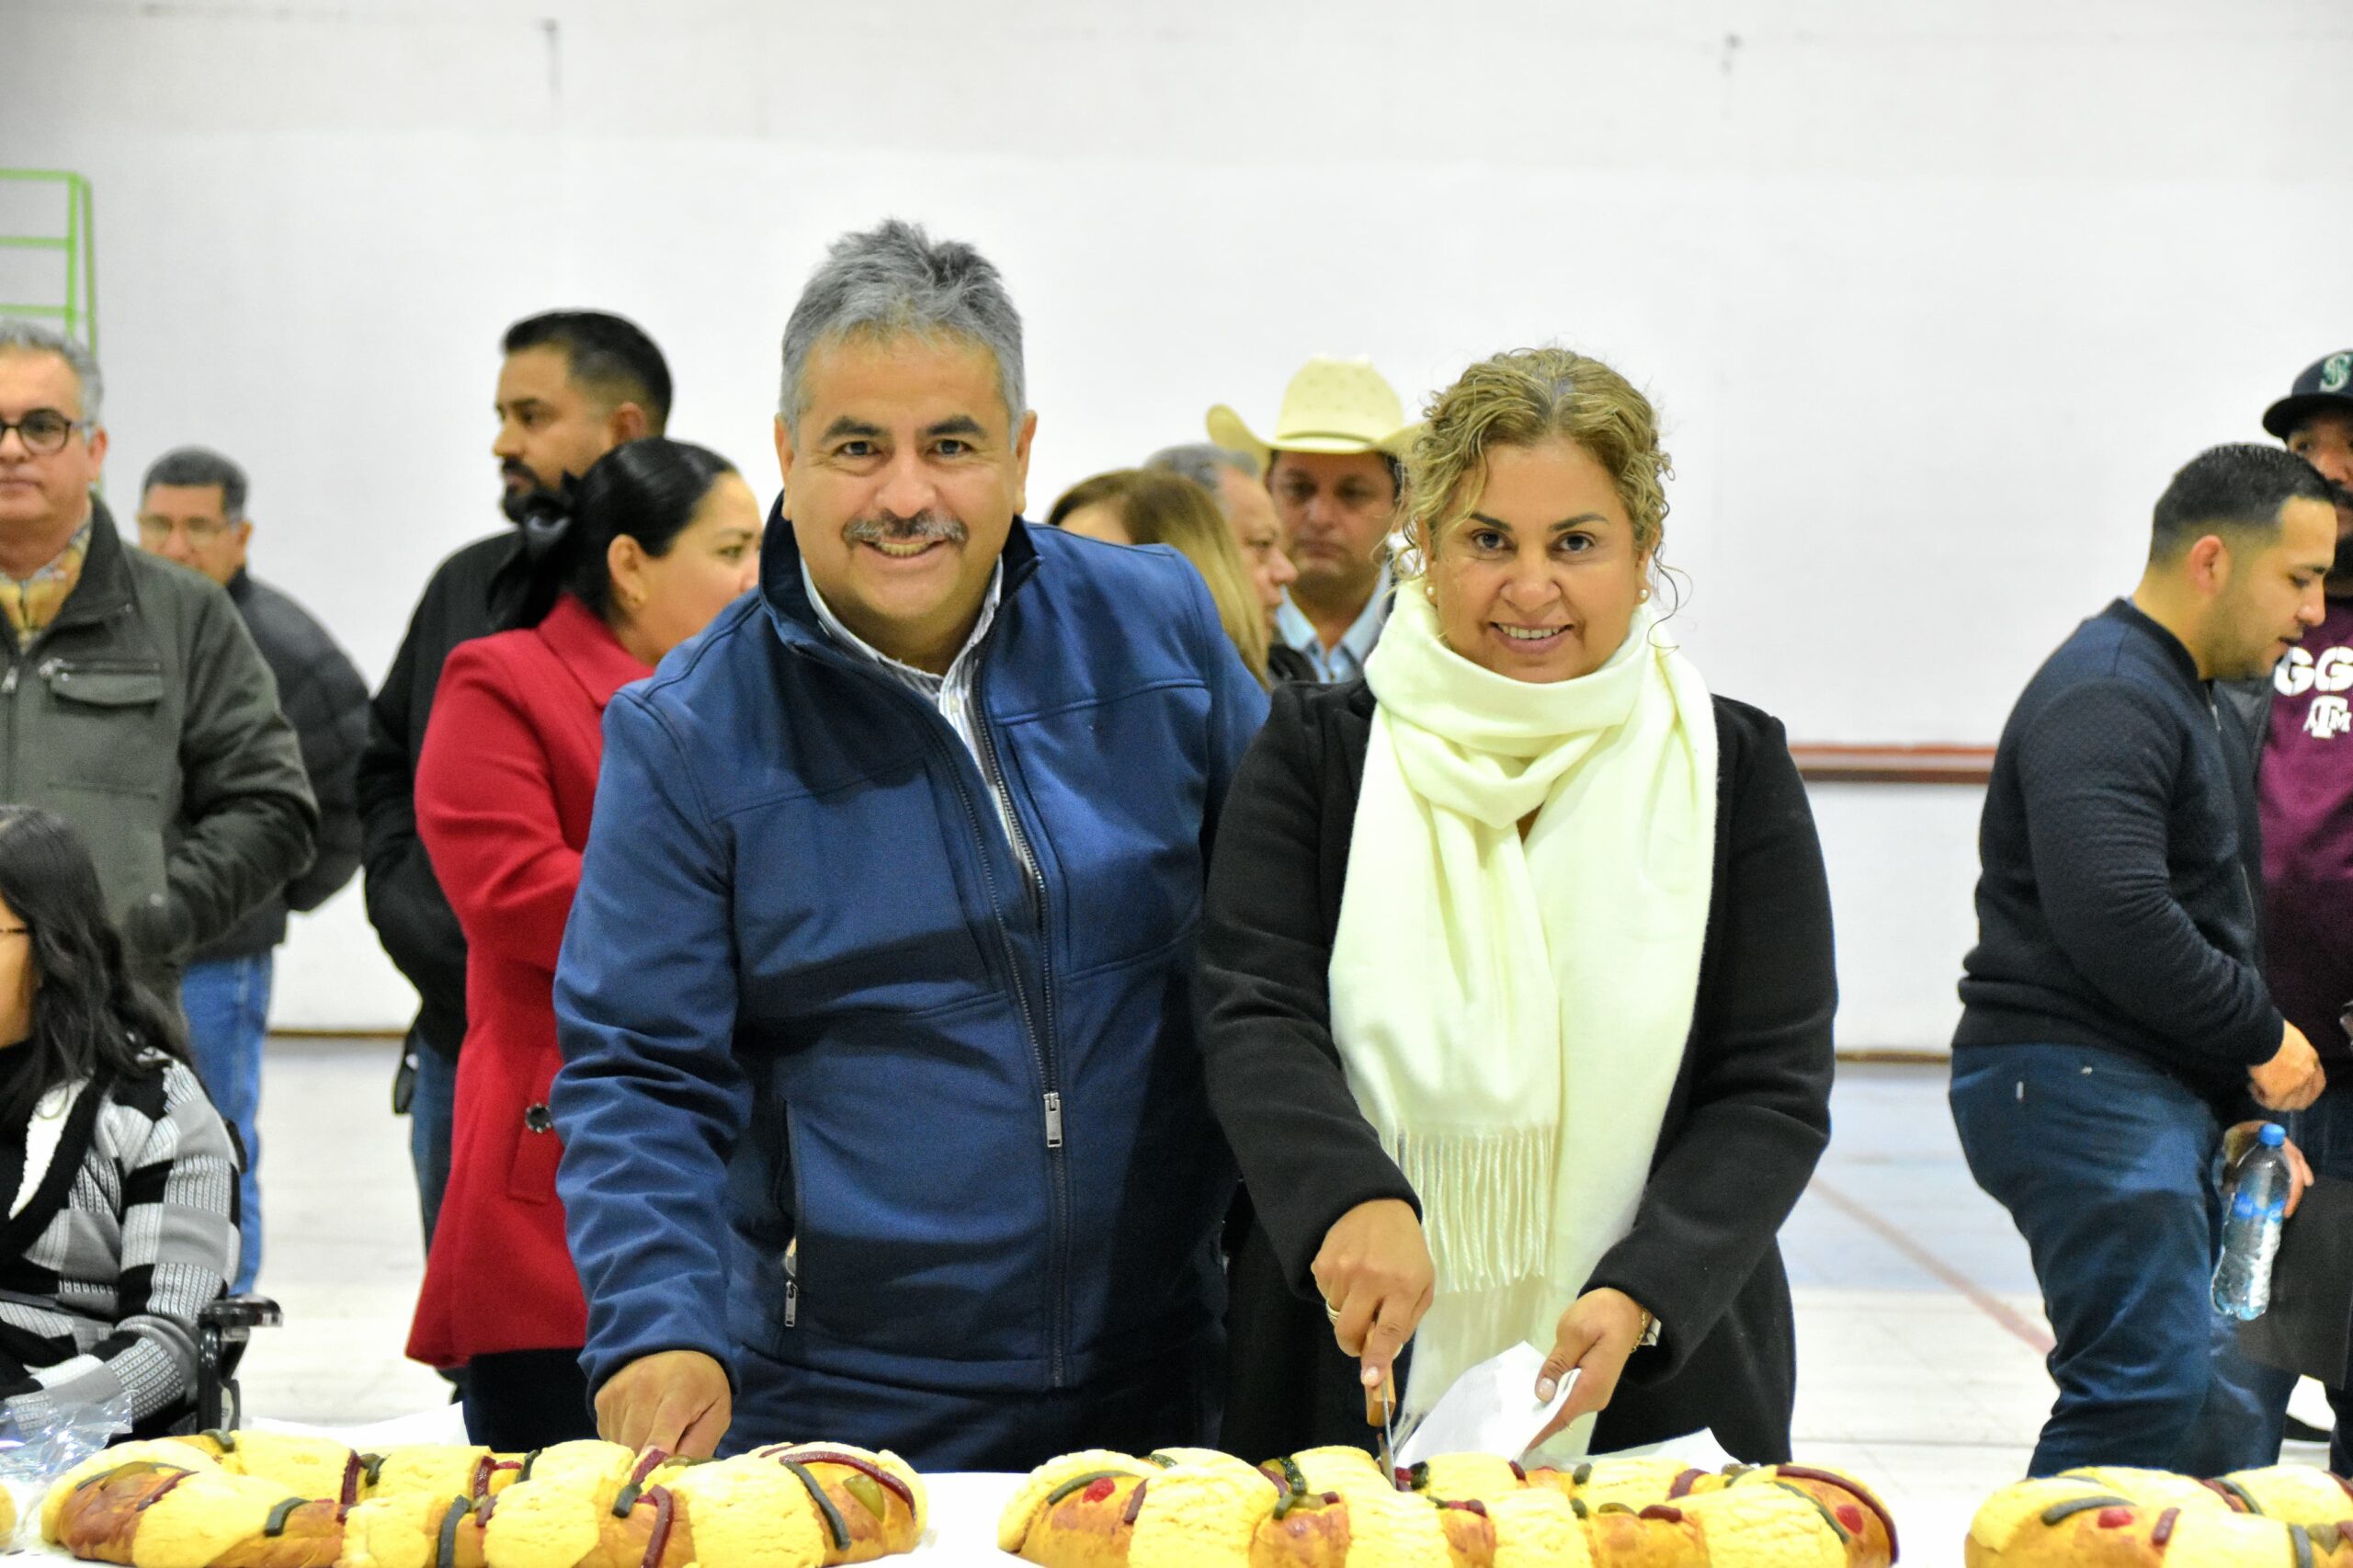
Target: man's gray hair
[897, 281]
[23, 337]
[199, 466]
[1200, 462]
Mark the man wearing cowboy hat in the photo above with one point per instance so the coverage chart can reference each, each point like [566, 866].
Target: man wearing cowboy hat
[1333, 466]
[2298, 726]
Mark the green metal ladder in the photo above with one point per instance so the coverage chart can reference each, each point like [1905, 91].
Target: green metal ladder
[74, 306]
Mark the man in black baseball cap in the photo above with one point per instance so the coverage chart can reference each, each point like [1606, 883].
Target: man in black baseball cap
[2299, 725]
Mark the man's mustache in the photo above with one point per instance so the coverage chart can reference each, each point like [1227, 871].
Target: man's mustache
[924, 526]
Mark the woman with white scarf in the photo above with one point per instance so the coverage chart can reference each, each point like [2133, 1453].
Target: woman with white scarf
[1517, 981]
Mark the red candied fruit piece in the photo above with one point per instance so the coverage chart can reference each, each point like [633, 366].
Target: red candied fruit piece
[1852, 1517]
[1101, 1489]
[2115, 1518]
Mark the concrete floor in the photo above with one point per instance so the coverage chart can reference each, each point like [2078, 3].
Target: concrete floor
[1920, 1332]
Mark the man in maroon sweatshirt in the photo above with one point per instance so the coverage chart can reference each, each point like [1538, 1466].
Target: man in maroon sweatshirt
[2303, 719]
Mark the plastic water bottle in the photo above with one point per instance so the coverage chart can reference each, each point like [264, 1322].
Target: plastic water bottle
[2252, 1214]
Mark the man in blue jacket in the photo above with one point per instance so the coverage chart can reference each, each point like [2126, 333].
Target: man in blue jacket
[2114, 1013]
[881, 1110]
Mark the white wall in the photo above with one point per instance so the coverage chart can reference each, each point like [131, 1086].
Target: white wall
[1933, 294]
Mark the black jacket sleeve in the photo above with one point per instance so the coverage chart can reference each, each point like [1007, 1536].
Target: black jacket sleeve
[1758, 1065]
[1306, 1152]
[328, 706]
[2097, 770]
[246, 810]
[405, 901]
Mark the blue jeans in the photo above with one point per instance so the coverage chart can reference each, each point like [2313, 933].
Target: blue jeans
[227, 1003]
[2249, 1395]
[2107, 1165]
[432, 1117]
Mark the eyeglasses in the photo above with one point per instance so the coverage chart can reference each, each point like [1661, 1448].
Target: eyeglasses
[44, 430]
[154, 530]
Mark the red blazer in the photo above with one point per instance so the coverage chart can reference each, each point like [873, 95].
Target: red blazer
[504, 788]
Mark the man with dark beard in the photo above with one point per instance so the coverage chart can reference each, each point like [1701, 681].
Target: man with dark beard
[576, 384]
[2298, 727]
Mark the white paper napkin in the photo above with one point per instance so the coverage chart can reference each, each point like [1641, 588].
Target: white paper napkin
[1491, 1409]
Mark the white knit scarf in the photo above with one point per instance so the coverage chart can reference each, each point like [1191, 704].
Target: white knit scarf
[1512, 1015]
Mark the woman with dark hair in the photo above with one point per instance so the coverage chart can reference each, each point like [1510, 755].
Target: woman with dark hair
[661, 536]
[118, 1176]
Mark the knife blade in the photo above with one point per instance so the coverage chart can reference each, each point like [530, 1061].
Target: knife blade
[1381, 1411]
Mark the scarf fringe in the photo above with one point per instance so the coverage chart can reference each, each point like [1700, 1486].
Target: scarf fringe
[1486, 1202]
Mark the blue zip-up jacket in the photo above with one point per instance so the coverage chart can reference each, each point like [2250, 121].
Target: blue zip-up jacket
[811, 997]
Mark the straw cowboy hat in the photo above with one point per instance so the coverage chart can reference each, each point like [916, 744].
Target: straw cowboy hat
[1331, 406]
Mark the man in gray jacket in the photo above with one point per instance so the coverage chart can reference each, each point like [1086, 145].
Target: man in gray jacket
[132, 700]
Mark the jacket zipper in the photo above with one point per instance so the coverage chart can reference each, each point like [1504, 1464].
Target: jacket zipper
[792, 1278]
[1052, 1103]
[1058, 1168]
[2246, 885]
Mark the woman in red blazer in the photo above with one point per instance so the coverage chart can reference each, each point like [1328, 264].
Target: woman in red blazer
[662, 535]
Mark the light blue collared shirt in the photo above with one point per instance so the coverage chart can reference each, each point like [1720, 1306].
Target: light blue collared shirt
[950, 693]
[1345, 662]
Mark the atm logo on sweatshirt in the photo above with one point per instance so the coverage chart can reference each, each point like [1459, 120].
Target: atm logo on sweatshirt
[2327, 675]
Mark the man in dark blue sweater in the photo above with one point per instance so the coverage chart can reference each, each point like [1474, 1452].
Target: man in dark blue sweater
[2114, 1016]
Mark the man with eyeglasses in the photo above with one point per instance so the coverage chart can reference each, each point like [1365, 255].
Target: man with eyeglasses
[192, 511]
[132, 700]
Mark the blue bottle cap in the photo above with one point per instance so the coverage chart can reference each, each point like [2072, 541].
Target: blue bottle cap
[2272, 1135]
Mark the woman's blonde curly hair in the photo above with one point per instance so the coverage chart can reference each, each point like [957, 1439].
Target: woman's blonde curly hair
[1519, 398]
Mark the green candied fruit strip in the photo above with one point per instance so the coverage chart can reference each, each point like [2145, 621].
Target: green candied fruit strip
[220, 1437]
[2058, 1512]
[2232, 1488]
[836, 1528]
[445, 1548]
[626, 1499]
[1844, 1534]
[868, 1494]
[280, 1515]
[2301, 1539]
[1080, 1482]
[1289, 1500]
[129, 1466]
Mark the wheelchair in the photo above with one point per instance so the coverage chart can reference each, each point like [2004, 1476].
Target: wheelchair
[222, 1331]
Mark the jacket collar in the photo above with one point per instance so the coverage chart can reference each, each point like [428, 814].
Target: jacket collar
[105, 584]
[586, 647]
[786, 596]
[2126, 613]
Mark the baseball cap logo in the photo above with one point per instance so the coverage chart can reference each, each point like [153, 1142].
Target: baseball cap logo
[2335, 372]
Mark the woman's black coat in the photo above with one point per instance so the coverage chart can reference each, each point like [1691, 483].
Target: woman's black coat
[1747, 1119]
